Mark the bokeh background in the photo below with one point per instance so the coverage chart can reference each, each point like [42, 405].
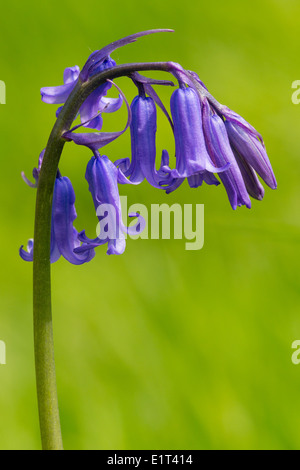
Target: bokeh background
[160, 347]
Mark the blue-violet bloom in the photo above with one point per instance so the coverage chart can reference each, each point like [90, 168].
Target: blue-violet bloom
[64, 236]
[97, 140]
[224, 130]
[103, 178]
[96, 103]
[220, 151]
[143, 129]
[190, 149]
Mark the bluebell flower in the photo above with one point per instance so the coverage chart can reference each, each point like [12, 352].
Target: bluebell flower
[190, 149]
[64, 236]
[143, 129]
[228, 139]
[210, 140]
[96, 140]
[218, 146]
[193, 160]
[103, 178]
[252, 149]
[96, 103]
[59, 94]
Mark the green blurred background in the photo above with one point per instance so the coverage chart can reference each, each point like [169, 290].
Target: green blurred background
[160, 348]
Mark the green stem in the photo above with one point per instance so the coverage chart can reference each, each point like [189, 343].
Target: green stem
[43, 333]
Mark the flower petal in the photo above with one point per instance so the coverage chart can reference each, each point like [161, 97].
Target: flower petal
[117, 246]
[95, 141]
[239, 121]
[253, 185]
[110, 105]
[143, 144]
[253, 151]
[28, 182]
[152, 93]
[218, 146]
[174, 185]
[56, 94]
[91, 106]
[27, 255]
[71, 74]
[123, 164]
[35, 172]
[196, 180]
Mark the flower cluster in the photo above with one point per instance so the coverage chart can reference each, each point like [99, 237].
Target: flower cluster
[210, 141]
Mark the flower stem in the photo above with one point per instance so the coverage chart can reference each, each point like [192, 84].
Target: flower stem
[43, 332]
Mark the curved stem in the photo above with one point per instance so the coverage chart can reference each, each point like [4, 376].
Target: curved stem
[43, 332]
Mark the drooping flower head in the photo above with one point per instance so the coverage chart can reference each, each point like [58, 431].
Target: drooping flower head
[210, 140]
